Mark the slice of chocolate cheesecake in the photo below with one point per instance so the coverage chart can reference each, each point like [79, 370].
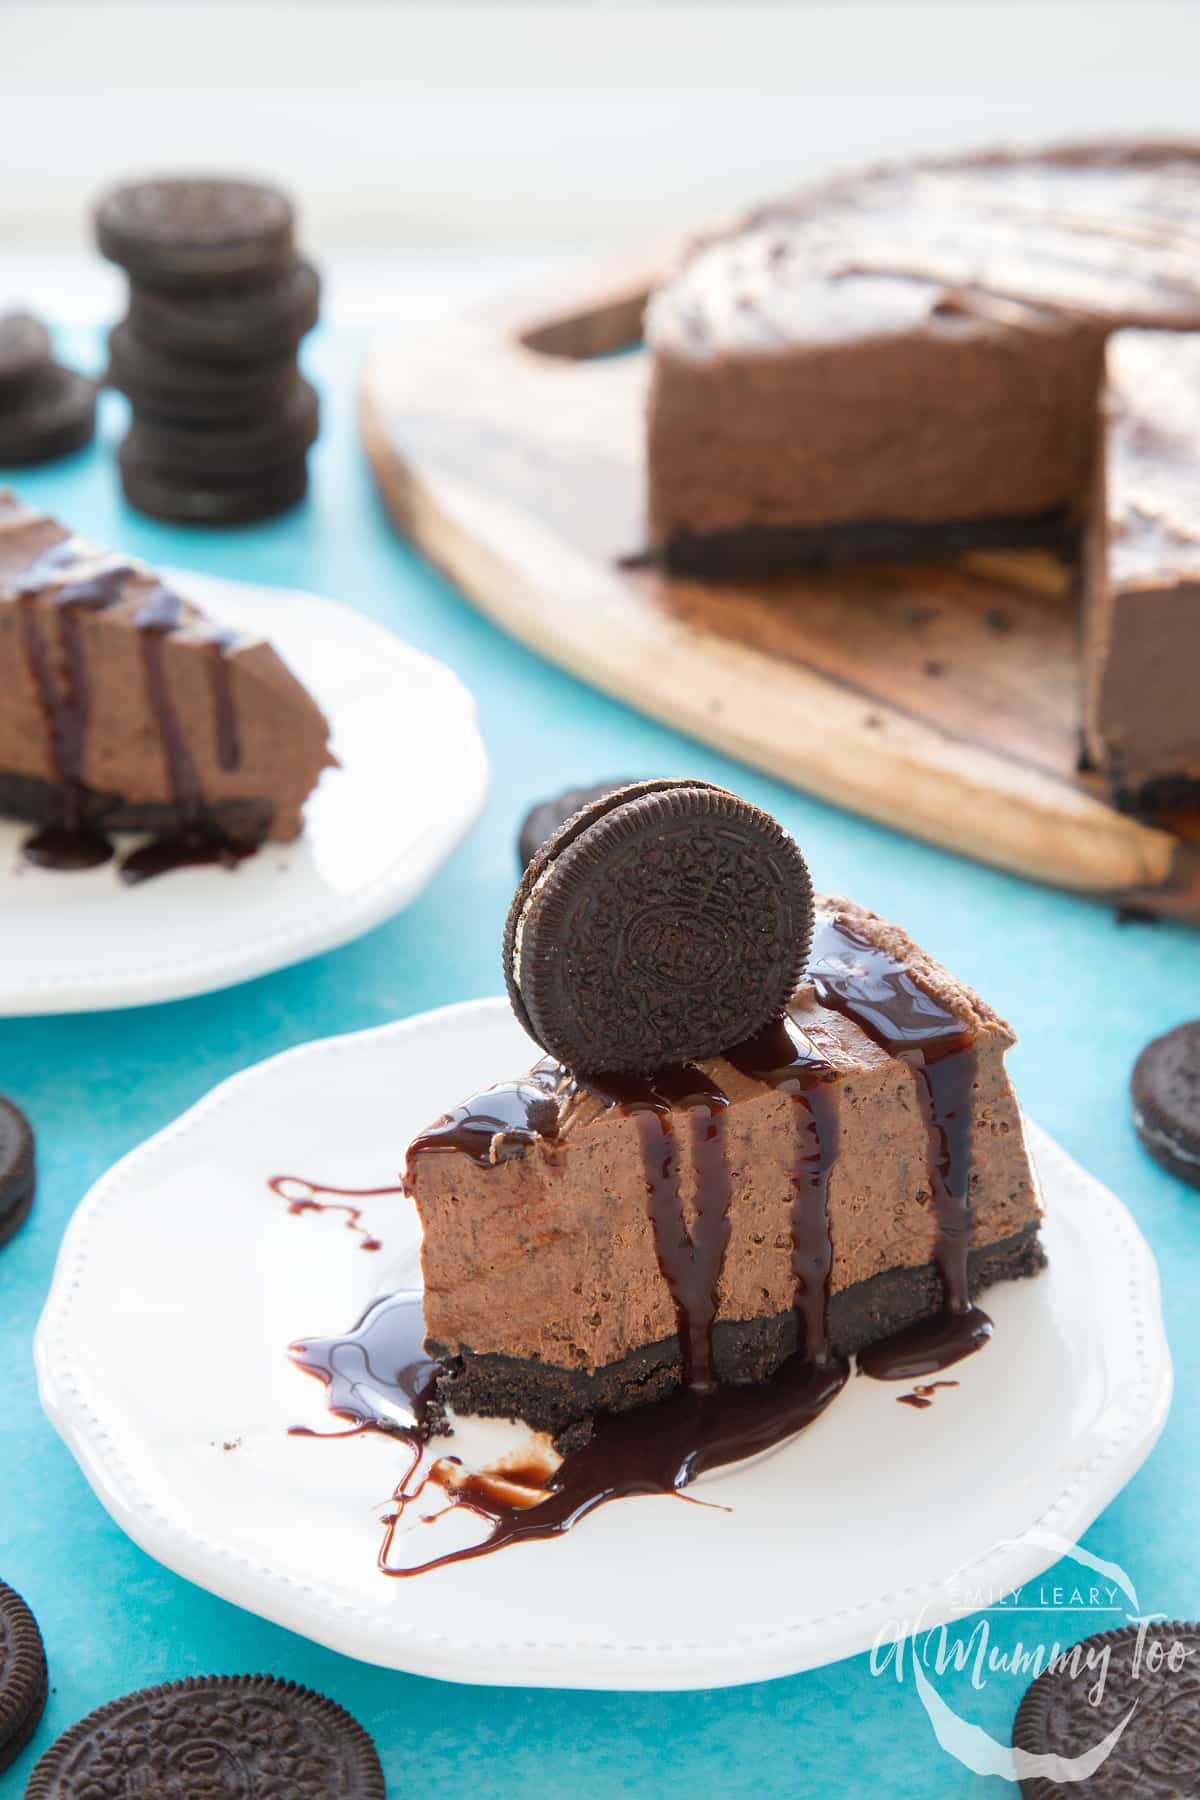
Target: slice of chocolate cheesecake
[125, 708]
[855, 1169]
[906, 360]
[1141, 576]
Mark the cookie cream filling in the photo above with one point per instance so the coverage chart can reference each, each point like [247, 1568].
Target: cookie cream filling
[519, 933]
[1161, 1140]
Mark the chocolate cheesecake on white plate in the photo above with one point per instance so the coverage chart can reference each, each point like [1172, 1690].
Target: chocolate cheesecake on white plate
[127, 708]
[852, 1169]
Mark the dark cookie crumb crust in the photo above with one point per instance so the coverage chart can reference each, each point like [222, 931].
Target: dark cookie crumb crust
[41, 802]
[754, 551]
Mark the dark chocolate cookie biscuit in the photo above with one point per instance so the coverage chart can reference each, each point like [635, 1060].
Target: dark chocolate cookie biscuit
[178, 388]
[24, 352]
[548, 815]
[660, 924]
[22, 1675]
[52, 415]
[196, 228]
[1147, 1677]
[219, 1737]
[1166, 1101]
[227, 451]
[232, 323]
[18, 1176]
[206, 500]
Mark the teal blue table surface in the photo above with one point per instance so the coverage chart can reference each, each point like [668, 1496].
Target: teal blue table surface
[1084, 992]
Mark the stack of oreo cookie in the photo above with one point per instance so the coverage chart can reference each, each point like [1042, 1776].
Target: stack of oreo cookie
[218, 304]
[45, 410]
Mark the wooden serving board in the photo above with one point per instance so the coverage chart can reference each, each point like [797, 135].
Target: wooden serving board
[942, 699]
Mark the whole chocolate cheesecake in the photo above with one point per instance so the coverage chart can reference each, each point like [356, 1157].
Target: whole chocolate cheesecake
[921, 360]
[908, 359]
[126, 708]
[844, 1181]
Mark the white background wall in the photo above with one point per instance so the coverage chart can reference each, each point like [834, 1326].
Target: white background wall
[463, 124]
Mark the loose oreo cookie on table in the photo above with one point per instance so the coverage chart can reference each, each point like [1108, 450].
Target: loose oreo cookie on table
[549, 815]
[46, 410]
[186, 228]
[193, 392]
[23, 1684]
[218, 1736]
[18, 1175]
[1148, 1703]
[231, 322]
[186, 499]
[663, 923]
[1166, 1101]
[24, 351]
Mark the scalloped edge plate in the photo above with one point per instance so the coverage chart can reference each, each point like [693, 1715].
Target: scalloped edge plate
[412, 782]
[828, 1545]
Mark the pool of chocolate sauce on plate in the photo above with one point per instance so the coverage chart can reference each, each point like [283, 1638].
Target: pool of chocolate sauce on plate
[378, 1378]
[51, 608]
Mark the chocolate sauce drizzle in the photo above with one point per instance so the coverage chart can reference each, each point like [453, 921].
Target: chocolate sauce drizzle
[781, 1056]
[501, 1122]
[690, 1258]
[378, 1378]
[867, 984]
[660, 1448]
[59, 671]
[921, 1397]
[307, 1202]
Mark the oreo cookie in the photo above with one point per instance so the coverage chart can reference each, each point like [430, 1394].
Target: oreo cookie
[183, 499]
[52, 415]
[23, 1680]
[228, 451]
[218, 1736]
[548, 815]
[193, 229]
[24, 353]
[1166, 1101]
[661, 924]
[180, 389]
[18, 1173]
[230, 323]
[1139, 1687]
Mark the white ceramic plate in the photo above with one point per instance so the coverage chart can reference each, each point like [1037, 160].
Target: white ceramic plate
[876, 1514]
[412, 781]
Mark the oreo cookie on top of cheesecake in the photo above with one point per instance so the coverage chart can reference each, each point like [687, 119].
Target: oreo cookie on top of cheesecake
[767, 1127]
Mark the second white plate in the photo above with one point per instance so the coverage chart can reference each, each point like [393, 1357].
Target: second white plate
[412, 780]
[177, 1403]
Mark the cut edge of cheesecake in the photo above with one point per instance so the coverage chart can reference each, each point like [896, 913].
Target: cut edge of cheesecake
[1141, 576]
[545, 1297]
